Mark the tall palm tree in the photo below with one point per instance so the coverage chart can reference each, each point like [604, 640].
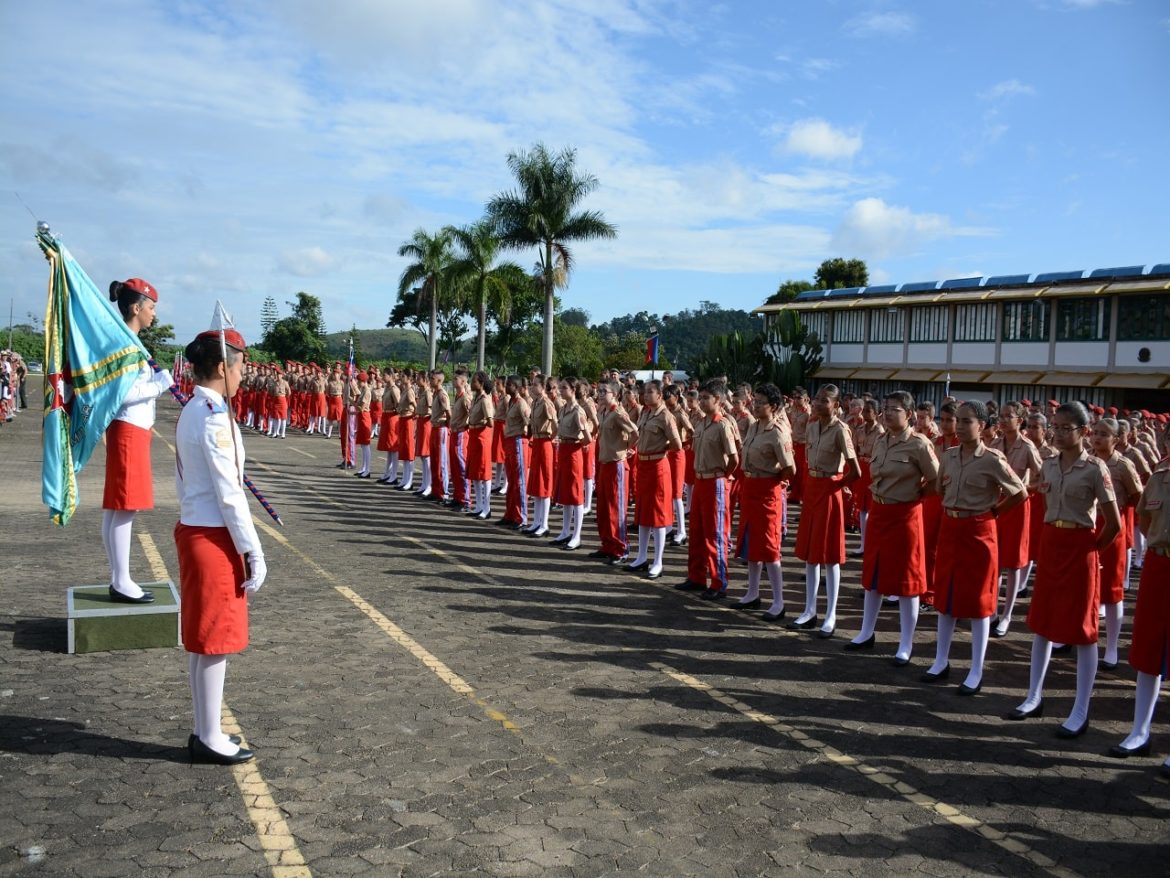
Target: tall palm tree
[432, 259]
[482, 283]
[542, 213]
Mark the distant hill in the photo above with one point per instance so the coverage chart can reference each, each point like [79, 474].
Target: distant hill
[405, 345]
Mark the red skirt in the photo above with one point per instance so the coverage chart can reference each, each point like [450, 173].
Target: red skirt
[317, 407]
[376, 413]
[422, 432]
[361, 436]
[796, 488]
[280, 407]
[128, 483]
[589, 460]
[333, 408]
[654, 494]
[1149, 651]
[1068, 586]
[479, 454]
[406, 438]
[966, 572]
[388, 432]
[1036, 509]
[497, 447]
[689, 468]
[678, 471]
[862, 495]
[1113, 565]
[895, 550]
[932, 515]
[820, 539]
[214, 605]
[1012, 532]
[570, 474]
[761, 507]
[541, 476]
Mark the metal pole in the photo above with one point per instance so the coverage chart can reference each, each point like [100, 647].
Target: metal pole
[11, 302]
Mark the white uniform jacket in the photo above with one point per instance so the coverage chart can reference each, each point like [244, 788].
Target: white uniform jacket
[138, 405]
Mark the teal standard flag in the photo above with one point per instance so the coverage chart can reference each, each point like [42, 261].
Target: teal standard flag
[91, 360]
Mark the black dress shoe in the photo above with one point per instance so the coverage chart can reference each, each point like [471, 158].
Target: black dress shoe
[566, 547]
[899, 662]
[1017, 714]
[802, 626]
[638, 568]
[928, 677]
[618, 560]
[119, 598]
[868, 643]
[559, 541]
[201, 753]
[235, 739]
[710, 595]
[598, 554]
[825, 634]
[964, 689]
[340, 465]
[1164, 770]
[687, 585]
[1066, 733]
[749, 605]
[773, 617]
[681, 542]
[1108, 666]
[1119, 752]
[651, 574]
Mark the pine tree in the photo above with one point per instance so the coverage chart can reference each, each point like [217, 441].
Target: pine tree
[268, 315]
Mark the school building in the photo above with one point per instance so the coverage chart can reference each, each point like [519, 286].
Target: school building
[1100, 336]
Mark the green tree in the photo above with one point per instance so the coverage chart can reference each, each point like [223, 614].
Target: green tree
[449, 327]
[156, 338]
[789, 290]
[543, 213]
[575, 317]
[482, 283]
[839, 274]
[291, 339]
[526, 308]
[432, 258]
[307, 309]
[268, 315]
[27, 342]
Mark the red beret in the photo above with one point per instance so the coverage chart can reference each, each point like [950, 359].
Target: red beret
[1112, 409]
[1026, 401]
[362, 376]
[1053, 402]
[230, 337]
[136, 284]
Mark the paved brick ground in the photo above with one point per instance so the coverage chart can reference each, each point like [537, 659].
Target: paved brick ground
[614, 725]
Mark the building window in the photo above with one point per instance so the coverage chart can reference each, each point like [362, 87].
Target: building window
[887, 325]
[975, 322]
[817, 323]
[1026, 321]
[848, 326]
[1143, 318]
[1082, 319]
[928, 323]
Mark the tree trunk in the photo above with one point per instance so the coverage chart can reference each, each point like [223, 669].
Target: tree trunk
[546, 360]
[481, 341]
[433, 338]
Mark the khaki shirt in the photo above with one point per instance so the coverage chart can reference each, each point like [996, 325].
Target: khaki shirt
[975, 485]
[767, 450]
[1022, 457]
[390, 399]
[481, 412]
[657, 431]
[686, 428]
[1154, 503]
[440, 408]
[1138, 460]
[281, 388]
[742, 422]
[573, 425]
[460, 410]
[901, 464]
[799, 420]
[715, 445]
[362, 398]
[543, 421]
[828, 446]
[517, 417]
[422, 396]
[614, 434]
[406, 402]
[1073, 496]
[1127, 484]
[864, 438]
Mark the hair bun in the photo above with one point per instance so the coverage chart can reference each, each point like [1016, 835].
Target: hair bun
[115, 287]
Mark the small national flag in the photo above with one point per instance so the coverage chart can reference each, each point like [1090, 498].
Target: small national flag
[652, 349]
[351, 368]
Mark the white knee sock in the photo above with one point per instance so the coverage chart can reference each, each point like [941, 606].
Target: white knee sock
[1128, 567]
[1015, 582]
[386, 471]
[832, 589]
[942, 644]
[643, 546]
[1139, 548]
[121, 534]
[907, 622]
[210, 671]
[659, 549]
[392, 465]
[566, 521]
[980, 633]
[108, 540]
[196, 703]
[542, 516]
[365, 459]
[1113, 617]
[863, 518]
[575, 534]
[1145, 696]
[589, 485]
[680, 520]
[755, 568]
[407, 474]
[1041, 655]
[776, 580]
[1086, 676]
[688, 490]
[812, 586]
[869, 615]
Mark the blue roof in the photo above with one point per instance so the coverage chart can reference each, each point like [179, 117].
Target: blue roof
[882, 290]
[846, 291]
[1123, 271]
[1057, 276]
[961, 283]
[922, 287]
[1161, 268]
[1007, 280]
[809, 295]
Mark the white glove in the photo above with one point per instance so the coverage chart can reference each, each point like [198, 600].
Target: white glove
[259, 572]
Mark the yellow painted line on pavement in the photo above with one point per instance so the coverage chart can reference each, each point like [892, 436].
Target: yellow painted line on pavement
[298, 451]
[276, 839]
[891, 784]
[155, 431]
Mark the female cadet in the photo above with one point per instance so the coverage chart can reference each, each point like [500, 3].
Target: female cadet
[573, 434]
[820, 538]
[902, 467]
[657, 434]
[542, 477]
[768, 461]
[128, 485]
[678, 460]
[976, 484]
[1012, 530]
[363, 422]
[1067, 591]
[1151, 618]
[616, 432]
[517, 417]
[1127, 487]
[221, 560]
[407, 407]
[1037, 431]
[388, 428]
[589, 455]
[480, 415]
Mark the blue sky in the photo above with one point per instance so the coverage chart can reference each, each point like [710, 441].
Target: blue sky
[239, 150]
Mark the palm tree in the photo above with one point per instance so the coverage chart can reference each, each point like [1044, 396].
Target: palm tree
[541, 214]
[432, 258]
[482, 283]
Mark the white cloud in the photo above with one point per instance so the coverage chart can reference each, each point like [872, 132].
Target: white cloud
[873, 229]
[818, 139]
[307, 262]
[1009, 88]
[883, 24]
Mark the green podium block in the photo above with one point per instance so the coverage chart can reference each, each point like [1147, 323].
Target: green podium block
[98, 624]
